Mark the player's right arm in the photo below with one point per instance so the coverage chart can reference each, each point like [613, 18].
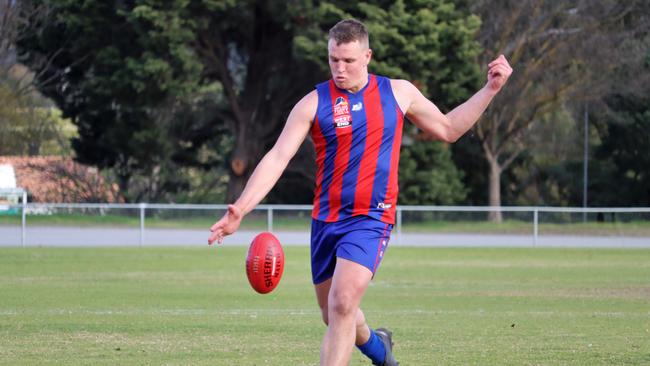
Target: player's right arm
[451, 126]
[270, 168]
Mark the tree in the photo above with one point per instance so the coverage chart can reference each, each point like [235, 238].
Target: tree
[126, 72]
[29, 128]
[551, 170]
[428, 175]
[542, 174]
[29, 123]
[622, 121]
[561, 51]
[127, 77]
[261, 77]
[624, 155]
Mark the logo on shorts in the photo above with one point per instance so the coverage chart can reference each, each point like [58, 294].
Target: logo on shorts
[342, 117]
[384, 243]
[384, 206]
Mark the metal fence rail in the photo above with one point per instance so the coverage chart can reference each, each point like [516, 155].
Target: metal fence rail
[414, 224]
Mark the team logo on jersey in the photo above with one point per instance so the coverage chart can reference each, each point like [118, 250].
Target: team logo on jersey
[357, 107]
[342, 117]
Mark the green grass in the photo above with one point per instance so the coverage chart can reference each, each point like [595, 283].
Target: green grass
[201, 222]
[193, 306]
[632, 228]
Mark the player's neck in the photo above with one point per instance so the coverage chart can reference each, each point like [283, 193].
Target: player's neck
[363, 81]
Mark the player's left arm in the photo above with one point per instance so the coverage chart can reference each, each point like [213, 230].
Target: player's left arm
[451, 126]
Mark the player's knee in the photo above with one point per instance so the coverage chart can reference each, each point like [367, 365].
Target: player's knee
[341, 303]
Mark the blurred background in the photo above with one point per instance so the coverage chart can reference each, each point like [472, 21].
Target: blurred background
[176, 101]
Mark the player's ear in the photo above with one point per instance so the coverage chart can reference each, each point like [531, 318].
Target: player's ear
[368, 56]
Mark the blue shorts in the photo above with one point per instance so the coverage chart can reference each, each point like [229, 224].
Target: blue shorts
[360, 239]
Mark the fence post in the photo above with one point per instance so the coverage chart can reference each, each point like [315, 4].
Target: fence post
[142, 215]
[24, 220]
[399, 225]
[535, 226]
[269, 219]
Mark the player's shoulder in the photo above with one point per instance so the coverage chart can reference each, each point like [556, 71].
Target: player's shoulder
[310, 99]
[308, 104]
[401, 86]
[405, 92]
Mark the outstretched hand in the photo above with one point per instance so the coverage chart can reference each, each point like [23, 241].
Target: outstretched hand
[499, 71]
[228, 224]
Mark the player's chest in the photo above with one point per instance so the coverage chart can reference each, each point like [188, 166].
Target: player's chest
[358, 116]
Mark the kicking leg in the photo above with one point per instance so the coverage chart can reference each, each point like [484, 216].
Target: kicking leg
[347, 288]
[380, 354]
[362, 328]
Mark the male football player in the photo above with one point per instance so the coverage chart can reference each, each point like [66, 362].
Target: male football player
[355, 120]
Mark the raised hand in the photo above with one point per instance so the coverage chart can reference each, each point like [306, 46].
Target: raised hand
[499, 71]
[228, 224]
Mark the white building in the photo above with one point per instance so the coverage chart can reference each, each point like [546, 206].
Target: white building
[7, 176]
[9, 193]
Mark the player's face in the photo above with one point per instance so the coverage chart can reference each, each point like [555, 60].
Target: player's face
[349, 64]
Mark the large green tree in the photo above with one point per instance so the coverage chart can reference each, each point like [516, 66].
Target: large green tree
[151, 84]
[127, 77]
[428, 175]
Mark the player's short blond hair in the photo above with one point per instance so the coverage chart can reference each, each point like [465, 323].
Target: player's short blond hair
[349, 30]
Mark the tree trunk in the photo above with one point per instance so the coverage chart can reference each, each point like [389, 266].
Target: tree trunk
[494, 192]
[123, 180]
[236, 185]
[245, 157]
[33, 148]
[240, 164]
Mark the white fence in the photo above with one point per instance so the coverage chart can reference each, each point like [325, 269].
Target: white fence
[188, 224]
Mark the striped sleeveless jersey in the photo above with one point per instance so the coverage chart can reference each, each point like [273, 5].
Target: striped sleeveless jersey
[357, 137]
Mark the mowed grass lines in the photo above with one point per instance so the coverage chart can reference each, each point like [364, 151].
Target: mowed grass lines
[193, 306]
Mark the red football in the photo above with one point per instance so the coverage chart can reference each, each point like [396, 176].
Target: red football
[265, 263]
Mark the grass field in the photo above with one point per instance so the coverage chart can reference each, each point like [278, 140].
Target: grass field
[193, 306]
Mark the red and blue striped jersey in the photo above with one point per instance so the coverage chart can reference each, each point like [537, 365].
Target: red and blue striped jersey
[357, 137]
